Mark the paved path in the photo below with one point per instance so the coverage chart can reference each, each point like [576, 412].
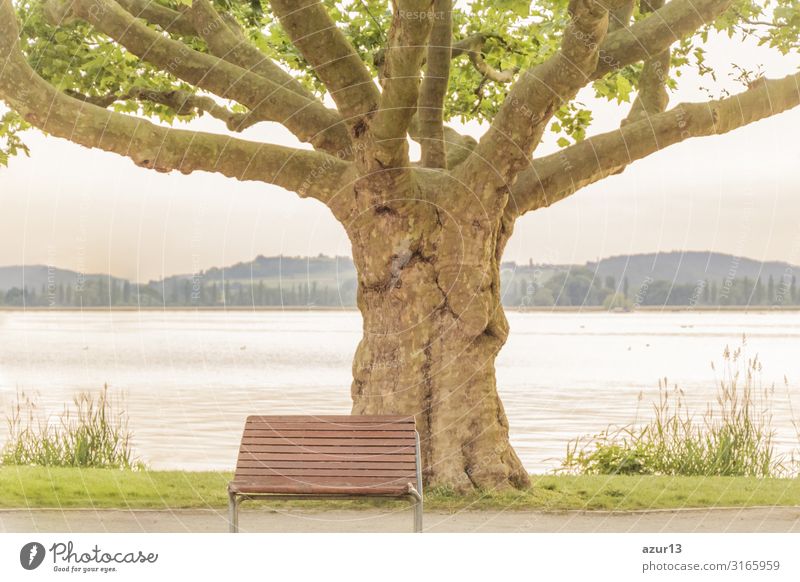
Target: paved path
[778, 519]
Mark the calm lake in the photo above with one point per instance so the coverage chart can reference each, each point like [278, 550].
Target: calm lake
[189, 378]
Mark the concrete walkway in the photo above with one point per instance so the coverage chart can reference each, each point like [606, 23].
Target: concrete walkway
[777, 519]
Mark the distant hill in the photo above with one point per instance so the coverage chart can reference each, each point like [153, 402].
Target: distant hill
[323, 269]
[674, 278]
[688, 267]
[38, 276]
[654, 279]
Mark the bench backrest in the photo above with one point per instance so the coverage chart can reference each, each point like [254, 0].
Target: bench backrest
[327, 454]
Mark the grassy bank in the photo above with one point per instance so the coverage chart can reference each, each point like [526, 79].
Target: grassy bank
[41, 487]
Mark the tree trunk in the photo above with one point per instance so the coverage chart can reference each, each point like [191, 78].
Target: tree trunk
[433, 325]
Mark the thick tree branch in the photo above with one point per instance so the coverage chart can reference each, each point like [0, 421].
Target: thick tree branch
[652, 96]
[226, 40]
[656, 33]
[332, 57]
[457, 145]
[621, 17]
[267, 100]
[472, 46]
[646, 39]
[152, 146]
[155, 13]
[518, 127]
[434, 87]
[557, 176]
[408, 37]
[182, 102]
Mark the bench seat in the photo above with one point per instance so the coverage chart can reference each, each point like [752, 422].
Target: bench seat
[327, 456]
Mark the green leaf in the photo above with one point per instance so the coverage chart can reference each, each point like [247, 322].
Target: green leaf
[11, 144]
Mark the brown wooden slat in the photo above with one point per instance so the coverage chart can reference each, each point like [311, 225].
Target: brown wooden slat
[323, 434]
[312, 474]
[267, 453]
[290, 484]
[304, 442]
[333, 418]
[359, 432]
[320, 450]
[375, 426]
[250, 461]
[258, 487]
[345, 481]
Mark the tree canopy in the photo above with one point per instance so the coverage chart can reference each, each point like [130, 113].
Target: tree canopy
[492, 41]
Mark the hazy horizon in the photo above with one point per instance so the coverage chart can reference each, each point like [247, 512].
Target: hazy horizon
[95, 212]
[288, 256]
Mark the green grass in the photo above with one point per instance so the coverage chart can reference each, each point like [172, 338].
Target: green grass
[733, 437]
[93, 433]
[58, 487]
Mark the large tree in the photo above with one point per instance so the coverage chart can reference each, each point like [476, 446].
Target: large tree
[427, 236]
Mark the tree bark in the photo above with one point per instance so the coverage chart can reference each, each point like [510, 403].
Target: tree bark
[433, 324]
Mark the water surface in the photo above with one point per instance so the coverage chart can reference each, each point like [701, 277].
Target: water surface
[190, 378]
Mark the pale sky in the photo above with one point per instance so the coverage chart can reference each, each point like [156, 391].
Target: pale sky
[93, 211]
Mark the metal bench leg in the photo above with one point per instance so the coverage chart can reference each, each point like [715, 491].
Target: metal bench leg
[417, 509]
[417, 494]
[233, 512]
[418, 516]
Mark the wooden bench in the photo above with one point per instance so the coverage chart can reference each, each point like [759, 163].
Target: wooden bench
[327, 457]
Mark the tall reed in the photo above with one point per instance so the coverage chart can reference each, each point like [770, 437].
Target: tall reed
[733, 437]
[94, 433]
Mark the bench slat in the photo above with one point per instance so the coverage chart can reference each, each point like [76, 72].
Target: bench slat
[338, 434]
[247, 461]
[298, 483]
[332, 442]
[337, 450]
[360, 426]
[288, 465]
[344, 490]
[274, 483]
[333, 418]
[265, 453]
[408, 474]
